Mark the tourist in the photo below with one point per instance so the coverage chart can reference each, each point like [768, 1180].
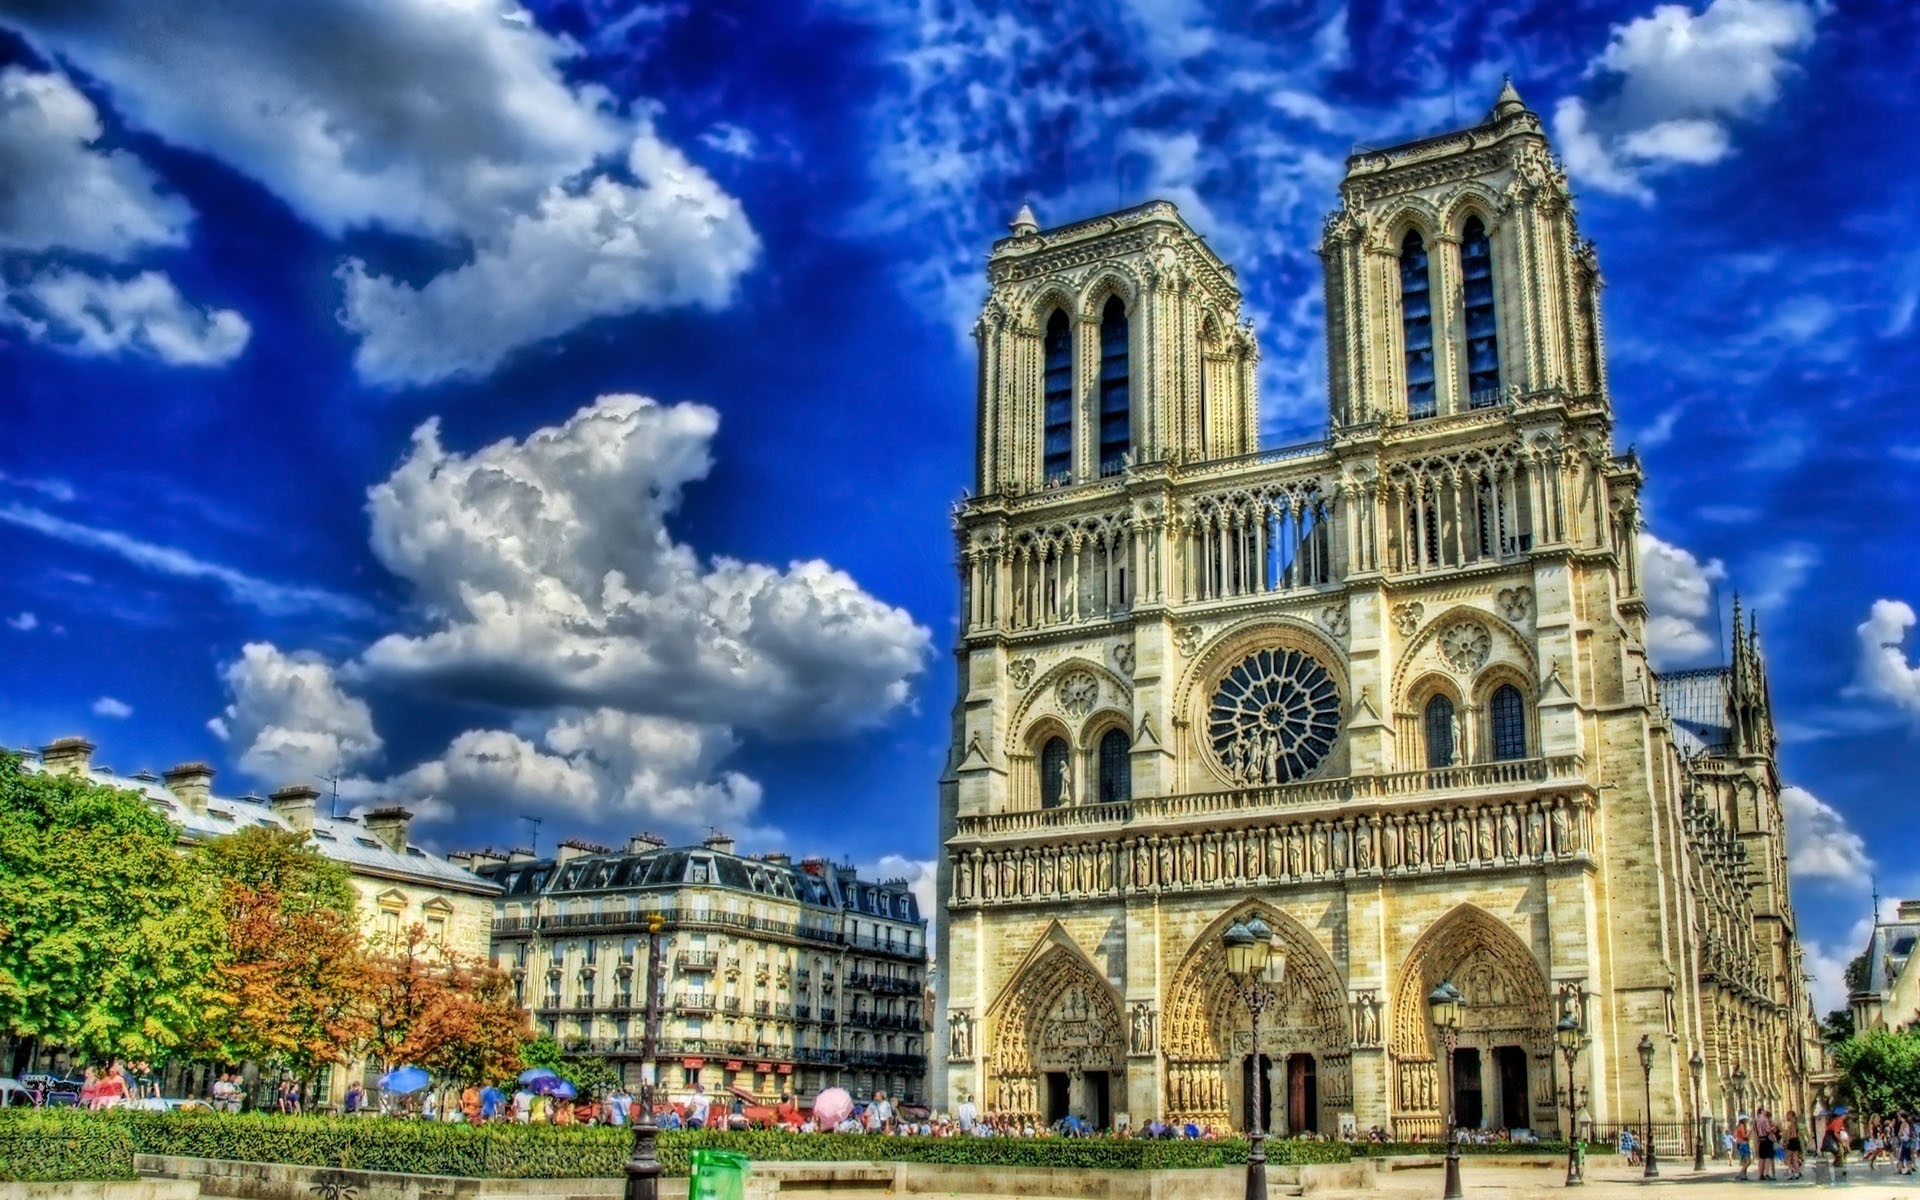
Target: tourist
[356, 1101]
[698, 1107]
[968, 1115]
[882, 1114]
[1795, 1144]
[1835, 1141]
[619, 1104]
[522, 1106]
[1904, 1131]
[1764, 1133]
[1743, 1144]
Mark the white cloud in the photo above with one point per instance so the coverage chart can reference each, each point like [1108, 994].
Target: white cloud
[1674, 82]
[731, 140]
[1780, 572]
[1883, 672]
[1679, 588]
[99, 316]
[290, 719]
[1820, 844]
[26, 622]
[1827, 963]
[922, 879]
[445, 119]
[674, 239]
[112, 709]
[552, 580]
[266, 596]
[63, 191]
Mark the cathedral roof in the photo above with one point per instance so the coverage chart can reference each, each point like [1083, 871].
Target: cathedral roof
[1696, 703]
[1507, 103]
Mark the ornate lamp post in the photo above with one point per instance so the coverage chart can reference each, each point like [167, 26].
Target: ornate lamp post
[1697, 1067]
[1568, 1033]
[1444, 1006]
[1646, 1082]
[643, 1169]
[1257, 967]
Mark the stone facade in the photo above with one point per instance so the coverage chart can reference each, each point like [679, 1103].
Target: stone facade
[766, 974]
[1390, 691]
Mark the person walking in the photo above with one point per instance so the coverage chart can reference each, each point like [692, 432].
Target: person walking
[699, 1107]
[1835, 1142]
[1795, 1144]
[1764, 1133]
[1743, 1144]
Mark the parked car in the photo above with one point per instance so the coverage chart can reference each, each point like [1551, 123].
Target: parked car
[13, 1094]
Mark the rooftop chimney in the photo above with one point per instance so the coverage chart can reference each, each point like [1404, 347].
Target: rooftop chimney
[645, 843]
[1909, 910]
[191, 784]
[778, 859]
[67, 756]
[390, 826]
[295, 804]
[474, 860]
[519, 854]
[719, 842]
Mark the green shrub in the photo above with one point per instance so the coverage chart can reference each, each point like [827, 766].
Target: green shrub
[38, 1147]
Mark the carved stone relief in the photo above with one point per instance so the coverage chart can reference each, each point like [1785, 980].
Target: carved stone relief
[1407, 617]
[1020, 670]
[1465, 645]
[1123, 658]
[1140, 1028]
[1077, 692]
[1334, 618]
[1516, 603]
[1187, 639]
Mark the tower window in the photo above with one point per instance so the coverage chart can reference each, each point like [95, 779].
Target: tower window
[1116, 767]
[1483, 344]
[1416, 327]
[1056, 783]
[1439, 722]
[1509, 713]
[1116, 430]
[1057, 446]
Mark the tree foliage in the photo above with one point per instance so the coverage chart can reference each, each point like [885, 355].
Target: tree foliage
[109, 937]
[1880, 1070]
[1856, 974]
[435, 1008]
[1837, 1027]
[589, 1074]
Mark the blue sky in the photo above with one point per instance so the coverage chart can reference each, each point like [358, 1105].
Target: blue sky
[556, 410]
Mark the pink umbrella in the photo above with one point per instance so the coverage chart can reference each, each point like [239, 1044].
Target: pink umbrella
[831, 1107]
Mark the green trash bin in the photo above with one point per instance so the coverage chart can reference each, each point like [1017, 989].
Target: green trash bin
[718, 1175]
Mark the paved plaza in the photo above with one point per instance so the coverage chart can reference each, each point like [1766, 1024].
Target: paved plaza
[1608, 1181]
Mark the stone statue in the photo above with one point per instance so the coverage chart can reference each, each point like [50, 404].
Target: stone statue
[959, 1035]
[1141, 1030]
[1536, 831]
[1063, 784]
[1562, 835]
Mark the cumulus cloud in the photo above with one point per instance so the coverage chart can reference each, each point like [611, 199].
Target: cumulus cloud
[25, 622]
[551, 579]
[1820, 844]
[1679, 588]
[290, 719]
[112, 709]
[1672, 83]
[1883, 672]
[98, 316]
[452, 122]
[1827, 963]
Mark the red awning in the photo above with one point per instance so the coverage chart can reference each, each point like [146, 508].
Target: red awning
[734, 1064]
[786, 1068]
[693, 1064]
[763, 1067]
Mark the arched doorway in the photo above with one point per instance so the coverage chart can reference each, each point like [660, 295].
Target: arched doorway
[1208, 1036]
[1502, 1071]
[1057, 1044]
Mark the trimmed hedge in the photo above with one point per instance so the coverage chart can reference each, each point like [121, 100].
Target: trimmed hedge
[40, 1147]
[67, 1145]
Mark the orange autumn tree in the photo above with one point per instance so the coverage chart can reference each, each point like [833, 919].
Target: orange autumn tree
[299, 986]
[450, 1013]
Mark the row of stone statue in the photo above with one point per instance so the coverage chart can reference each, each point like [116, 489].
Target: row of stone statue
[1492, 835]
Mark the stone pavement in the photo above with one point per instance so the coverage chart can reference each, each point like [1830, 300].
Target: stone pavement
[1608, 1182]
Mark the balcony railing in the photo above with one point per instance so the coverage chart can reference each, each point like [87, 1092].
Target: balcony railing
[731, 1004]
[693, 1002]
[697, 960]
[1355, 789]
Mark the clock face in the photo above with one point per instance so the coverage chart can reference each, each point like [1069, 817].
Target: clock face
[1274, 718]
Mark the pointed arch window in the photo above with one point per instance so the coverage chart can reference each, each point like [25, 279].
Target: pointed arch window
[1057, 444]
[1116, 767]
[1056, 781]
[1116, 428]
[1483, 343]
[1439, 728]
[1416, 326]
[1509, 714]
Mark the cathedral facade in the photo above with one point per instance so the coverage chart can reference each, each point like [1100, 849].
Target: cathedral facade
[1388, 691]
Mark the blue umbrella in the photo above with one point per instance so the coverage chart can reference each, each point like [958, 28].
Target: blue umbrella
[533, 1075]
[564, 1091]
[547, 1084]
[402, 1080]
[491, 1098]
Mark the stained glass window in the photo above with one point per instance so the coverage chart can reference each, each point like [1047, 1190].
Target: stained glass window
[1439, 720]
[1058, 444]
[1116, 430]
[1416, 326]
[1483, 345]
[1509, 723]
[1116, 767]
[1274, 717]
[1055, 783]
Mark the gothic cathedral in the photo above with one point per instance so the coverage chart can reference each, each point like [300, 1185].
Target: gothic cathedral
[1389, 692]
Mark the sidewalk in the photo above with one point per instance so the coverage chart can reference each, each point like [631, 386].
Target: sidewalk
[1606, 1182]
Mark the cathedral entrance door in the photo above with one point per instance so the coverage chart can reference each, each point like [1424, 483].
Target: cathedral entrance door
[1303, 1095]
[1512, 1064]
[1469, 1107]
[1252, 1077]
[1099, 1104]
[1059, 1095]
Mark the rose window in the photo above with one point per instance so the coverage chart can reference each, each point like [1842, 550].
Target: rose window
[1274, 717]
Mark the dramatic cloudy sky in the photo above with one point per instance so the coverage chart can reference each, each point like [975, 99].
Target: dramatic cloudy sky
[556, 410]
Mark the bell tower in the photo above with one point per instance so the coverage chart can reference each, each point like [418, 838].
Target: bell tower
[1108, 343]
[1456, 279]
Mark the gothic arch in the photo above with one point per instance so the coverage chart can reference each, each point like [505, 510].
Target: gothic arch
[1207, 1031]
[1104, 718]
[1226, 649]
[1051, 294]
[1504, 637]
[1470, 199]
[1507, 1003]
[1413, 212]
[1056, 1013]
[1042, 689]
[1113, 280]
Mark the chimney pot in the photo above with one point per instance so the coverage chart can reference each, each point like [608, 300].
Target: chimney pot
[390, 826]
[192, 784]
[296, 805]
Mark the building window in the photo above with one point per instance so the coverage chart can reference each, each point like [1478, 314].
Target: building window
[1057, 446]
[1483, 345]
[1416, 327]
[1055, 782]
[1116, 767]
[1116, 430]
[1439, 720]
[1509, 723]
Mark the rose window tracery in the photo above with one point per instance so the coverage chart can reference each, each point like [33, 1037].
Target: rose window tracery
[1274, 717]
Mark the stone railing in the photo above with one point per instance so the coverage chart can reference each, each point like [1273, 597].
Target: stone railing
[1359, 789]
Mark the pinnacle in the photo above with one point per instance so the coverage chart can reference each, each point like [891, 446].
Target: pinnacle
[1508, 102]
[1024, 222]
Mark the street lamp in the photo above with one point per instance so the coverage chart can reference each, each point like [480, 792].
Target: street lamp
[1697, 1067]
[643, 1169]
[1257, 966]
[1646, 1083]
[1568, 1034]
[1444, 1006]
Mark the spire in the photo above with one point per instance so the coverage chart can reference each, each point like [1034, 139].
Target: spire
[1507, 103]
[1023, 223]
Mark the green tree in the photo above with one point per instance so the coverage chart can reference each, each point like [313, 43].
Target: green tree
[590, 1074]
[109, 935]
[1856, 975]
[1837, 1027]
[1880, 1071]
